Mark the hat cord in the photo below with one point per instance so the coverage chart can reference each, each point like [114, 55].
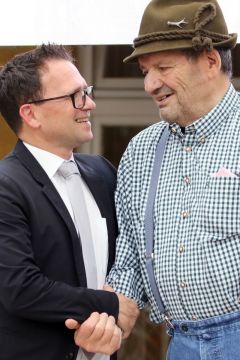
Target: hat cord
[200, 42]
[177, 35]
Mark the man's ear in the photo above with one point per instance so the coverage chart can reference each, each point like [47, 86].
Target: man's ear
[27, 114]
[214, 63]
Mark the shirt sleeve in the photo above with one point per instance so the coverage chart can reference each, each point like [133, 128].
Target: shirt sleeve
[125, 276]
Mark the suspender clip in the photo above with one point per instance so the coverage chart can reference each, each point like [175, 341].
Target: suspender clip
[149, 256]
[168, 321]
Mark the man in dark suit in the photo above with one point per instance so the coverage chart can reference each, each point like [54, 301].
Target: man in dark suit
[43, 282]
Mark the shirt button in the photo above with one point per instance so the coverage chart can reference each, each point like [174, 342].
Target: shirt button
[194, 318]
[185, 214]
[202, 140]
[187, 149]
[187, 179]
[181, 249]
[183, 284]
[173, 130]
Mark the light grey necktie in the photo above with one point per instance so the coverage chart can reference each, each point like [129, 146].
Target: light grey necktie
[70, 172]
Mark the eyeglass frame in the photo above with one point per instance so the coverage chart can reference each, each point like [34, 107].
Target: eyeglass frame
[85, 92]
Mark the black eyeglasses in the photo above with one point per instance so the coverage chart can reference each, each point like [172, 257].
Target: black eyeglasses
[78, 97]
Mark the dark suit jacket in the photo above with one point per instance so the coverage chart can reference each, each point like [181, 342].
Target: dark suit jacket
[42, 276]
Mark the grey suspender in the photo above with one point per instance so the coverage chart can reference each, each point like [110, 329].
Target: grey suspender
[149, 220]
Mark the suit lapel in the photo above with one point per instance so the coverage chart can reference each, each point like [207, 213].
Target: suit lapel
[37, 172]
[60, 207]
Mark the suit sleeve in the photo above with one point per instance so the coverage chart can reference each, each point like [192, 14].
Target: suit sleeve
[24, 290]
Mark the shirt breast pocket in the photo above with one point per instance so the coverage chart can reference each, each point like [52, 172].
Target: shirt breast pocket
[219, 213]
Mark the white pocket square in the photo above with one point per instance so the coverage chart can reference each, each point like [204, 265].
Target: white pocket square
[223, 172]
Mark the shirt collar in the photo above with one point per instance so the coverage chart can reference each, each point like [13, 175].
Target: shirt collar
[48, 161]
[208, 124]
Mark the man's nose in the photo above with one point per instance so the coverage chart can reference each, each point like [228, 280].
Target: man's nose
[89, 103]
[152, 82]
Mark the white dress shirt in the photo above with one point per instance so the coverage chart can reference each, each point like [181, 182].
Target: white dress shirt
[50, 164]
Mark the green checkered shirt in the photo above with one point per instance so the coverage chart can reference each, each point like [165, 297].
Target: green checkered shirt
[196, 216]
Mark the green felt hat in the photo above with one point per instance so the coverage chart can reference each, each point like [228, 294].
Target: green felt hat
[181, 24]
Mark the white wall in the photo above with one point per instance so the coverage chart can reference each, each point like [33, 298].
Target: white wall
[75, 22]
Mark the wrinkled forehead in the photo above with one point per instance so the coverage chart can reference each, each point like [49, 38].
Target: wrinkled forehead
[161, 57]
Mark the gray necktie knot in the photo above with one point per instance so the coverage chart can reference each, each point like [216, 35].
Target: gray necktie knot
[68, 168]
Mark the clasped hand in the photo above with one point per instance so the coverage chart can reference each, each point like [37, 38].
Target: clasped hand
[128, 313]
[100, 333]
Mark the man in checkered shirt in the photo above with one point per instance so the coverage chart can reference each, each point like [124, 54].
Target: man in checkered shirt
[184, 52]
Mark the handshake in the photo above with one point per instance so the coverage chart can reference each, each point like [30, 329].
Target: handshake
[100, 333]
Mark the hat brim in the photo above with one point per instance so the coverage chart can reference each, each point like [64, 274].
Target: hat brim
[165, 45]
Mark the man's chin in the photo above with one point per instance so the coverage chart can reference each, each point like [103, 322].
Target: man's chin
[87, 138]
[83, 140]
[165, 117]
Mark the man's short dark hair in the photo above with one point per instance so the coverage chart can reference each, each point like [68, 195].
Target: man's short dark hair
[20, 80]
